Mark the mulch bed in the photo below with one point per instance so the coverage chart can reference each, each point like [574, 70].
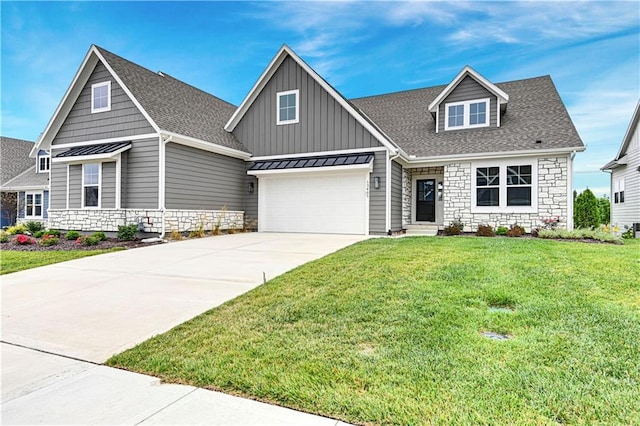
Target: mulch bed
[71, 245]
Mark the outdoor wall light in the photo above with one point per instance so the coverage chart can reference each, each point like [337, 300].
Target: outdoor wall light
[251, 187]
[376, 182]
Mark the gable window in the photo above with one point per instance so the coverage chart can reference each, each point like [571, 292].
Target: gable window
[287, 105]
[504, 186]
[101, 97]
[466, 115]
[618, 188]
[33, 205]
[91, 185]
[44, 163]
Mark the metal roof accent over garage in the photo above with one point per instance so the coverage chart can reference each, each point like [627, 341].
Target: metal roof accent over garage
[104, 148]
[310, 162]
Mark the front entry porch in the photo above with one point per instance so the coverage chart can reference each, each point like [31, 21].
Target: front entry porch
[423, 199]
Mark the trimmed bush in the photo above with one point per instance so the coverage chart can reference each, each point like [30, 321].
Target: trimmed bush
[502, 230]
[48, 241]
[485, 231]
[53, 232]
[38, 234]
[127, 232]
[33, 227]
[87, 240]
[516, 231]
[24, 240]
[16, 229]
[72, 235]
[4, 237]
[99, 235]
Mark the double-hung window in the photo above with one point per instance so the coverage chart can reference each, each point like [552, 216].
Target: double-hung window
[91, 185]
[288, 107]
[33, 205]
[618, 188]
[101, 97]
[504, 186]
[44, 163]
[467, 114]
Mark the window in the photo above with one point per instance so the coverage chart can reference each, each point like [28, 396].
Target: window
[91, 185]
[488, 186]
[465, 115]
[503, 186]
[618, 188]
[33, 205]
[44, 163]
[288, 107]
[101, 97]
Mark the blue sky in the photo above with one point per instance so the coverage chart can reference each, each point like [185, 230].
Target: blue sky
[591, 50]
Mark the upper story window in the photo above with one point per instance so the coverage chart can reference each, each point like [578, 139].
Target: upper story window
[288, 107]
[467, 114]
[618, 191]
[91, 185]
[44, 163]
[101, 97]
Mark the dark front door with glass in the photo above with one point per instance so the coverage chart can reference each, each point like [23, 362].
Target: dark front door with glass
[426, 200]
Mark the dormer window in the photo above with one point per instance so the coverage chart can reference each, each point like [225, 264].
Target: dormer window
[101, 97]
[44, 163]
[467, 114]
[288, 107]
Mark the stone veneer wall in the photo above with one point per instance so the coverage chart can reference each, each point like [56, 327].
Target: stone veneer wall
[108, 220]
[407, 187]
[552, 197]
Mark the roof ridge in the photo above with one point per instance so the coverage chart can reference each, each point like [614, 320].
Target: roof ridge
[164, 74]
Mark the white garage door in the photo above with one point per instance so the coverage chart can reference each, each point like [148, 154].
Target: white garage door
[333, 203]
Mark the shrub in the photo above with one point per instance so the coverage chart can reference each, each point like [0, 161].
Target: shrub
[48, 241]
[4, 237]
[87, 240]
[38, 234]
[550, 222]
[33, 227]
[72, 235]
[585, 210]
[17, 229]
[452, 230]
[175, 235]
[579, 234]
[485, 231]
[99, 235]
[502, 230]
[24, 240]
[127, 232]
[604, 208]
[628, 234]
[198, 233]
[53, 232]
[516, 231]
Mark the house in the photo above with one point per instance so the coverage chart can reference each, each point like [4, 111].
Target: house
[24, 185]
[625, 178]
[133, 146]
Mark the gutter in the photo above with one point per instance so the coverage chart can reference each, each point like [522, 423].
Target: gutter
[162, 183]
[388, 190]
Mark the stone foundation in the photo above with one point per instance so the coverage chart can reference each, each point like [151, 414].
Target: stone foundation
[108, 220]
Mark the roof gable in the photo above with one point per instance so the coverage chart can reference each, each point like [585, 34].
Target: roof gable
[633, 125]
[503, 98]
[271, 70]
[14, 157]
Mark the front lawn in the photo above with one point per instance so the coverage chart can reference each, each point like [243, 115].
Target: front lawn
[14, 261]
[389, 331]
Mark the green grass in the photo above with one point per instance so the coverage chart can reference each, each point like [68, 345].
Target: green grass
[388, 331]
[14, 261]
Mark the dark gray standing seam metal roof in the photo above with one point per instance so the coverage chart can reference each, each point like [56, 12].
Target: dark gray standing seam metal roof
[534, 112]
[176, 106]
[317, 161]
[104, 148]
[14, 158]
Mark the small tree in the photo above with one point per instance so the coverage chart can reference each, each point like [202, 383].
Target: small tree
[604, 206]
[585, 210]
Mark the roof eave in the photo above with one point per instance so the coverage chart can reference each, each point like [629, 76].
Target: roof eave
[493, 155]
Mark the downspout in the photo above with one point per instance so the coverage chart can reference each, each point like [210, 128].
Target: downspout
[388, 191]
[570, 192]
[162, 183]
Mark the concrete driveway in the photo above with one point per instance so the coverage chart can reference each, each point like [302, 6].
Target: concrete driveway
[95, 307]
[60, 321]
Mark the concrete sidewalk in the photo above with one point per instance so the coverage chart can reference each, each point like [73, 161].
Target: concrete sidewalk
[58, 317]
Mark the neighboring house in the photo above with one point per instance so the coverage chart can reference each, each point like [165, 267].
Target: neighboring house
[132, 146]
[24, 185]
[625, 178]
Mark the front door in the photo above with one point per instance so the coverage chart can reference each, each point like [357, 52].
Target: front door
[426, 200]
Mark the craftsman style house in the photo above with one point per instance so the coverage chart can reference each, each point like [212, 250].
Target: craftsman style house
[625, 178]
[133, 146]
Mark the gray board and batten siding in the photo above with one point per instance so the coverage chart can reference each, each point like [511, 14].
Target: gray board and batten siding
[324, 125]
[108, 186]
[75, 186]
[58, 184]
[469, 89]
[142, 175]
[378, 197]
[396, 196]
[123, 120]
[201, 180]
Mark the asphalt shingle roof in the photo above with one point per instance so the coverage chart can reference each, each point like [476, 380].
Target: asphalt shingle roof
[176, 106]
[14, 158]
[104, 148]
[534, 112]
[28, 179]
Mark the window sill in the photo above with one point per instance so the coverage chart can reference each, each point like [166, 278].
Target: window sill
[508, 209]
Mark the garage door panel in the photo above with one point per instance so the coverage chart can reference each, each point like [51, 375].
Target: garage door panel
[330, 203]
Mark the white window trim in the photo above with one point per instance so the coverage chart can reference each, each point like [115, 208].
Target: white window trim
[26, 194]
[40, 169]
[288, 92]
[99, 187]
[93, 87]
[503, 207]
[467, 114]
[618, 188]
